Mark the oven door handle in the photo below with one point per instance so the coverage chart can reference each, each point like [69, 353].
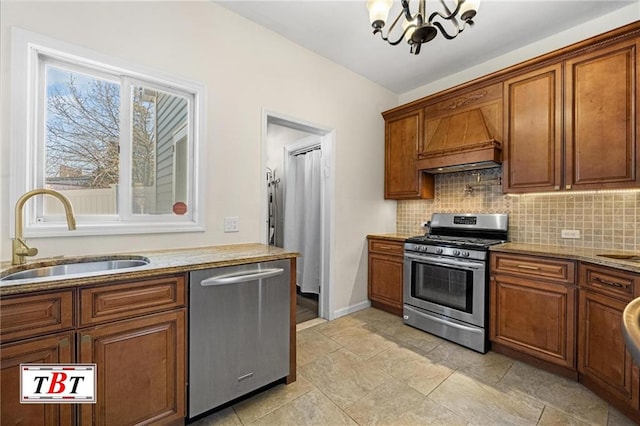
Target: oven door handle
[442, 262]
[451, 323]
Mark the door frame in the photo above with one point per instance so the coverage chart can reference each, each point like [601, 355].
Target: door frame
[327, 143]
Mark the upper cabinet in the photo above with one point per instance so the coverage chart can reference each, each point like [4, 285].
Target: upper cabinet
[403, 138]
[533, 131]
[601, 124]
[572, 125]
[567, 120]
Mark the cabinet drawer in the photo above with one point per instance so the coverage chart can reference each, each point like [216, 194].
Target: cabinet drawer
[609, 281]
[116, 301]
[560, 271]
[395, 248]
[27, 316]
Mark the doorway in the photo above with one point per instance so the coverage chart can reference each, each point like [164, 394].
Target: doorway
[297, 212]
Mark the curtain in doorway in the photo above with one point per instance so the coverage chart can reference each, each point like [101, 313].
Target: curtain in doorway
[302, 217]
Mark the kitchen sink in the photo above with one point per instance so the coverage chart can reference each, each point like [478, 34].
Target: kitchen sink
[65, 267]
[627, 257]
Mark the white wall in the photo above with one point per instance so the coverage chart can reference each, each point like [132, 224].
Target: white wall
[246, 69]
[620, 17]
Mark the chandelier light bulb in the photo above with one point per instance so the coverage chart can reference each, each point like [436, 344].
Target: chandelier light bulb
[419, 28]
[468, 9]
[378, 12]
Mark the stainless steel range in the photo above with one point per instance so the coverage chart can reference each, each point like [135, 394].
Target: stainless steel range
[446, 275]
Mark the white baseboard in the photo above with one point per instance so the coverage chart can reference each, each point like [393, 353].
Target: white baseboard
[351, 309]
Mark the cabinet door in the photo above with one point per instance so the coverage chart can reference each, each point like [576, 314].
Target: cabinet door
[532, 158]
[601, 118]
[385, 282]
[140, 367]
[44, 350]
[402, 179]
[603, 357]
[534, 317]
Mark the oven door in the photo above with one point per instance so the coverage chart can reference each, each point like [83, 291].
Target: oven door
[451, 287]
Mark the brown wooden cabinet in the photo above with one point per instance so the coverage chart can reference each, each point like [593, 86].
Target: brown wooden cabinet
[386, 274]
[37, 328]
[140, 370]
[403, 138]
[532, 156]
[533, 307]
[604, 364]
[137, 339]
[134, 332]
[54, 348]
[572, 125]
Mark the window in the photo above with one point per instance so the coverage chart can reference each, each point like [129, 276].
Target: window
[119, 141]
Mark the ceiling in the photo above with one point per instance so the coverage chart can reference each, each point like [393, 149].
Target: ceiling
[340, 31]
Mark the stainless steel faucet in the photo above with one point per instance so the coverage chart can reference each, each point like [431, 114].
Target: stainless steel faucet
[20, 249]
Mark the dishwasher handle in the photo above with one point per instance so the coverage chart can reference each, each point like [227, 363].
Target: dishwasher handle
[241, 277]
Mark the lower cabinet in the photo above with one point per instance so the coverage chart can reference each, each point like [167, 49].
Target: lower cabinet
[537, 315]
[533, 307]
[135, 333]
[604, 363]
[550, 336]
[140, 370]
[386, 274]
[57, 348]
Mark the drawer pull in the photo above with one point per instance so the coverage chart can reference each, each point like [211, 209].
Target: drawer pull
[533, 268]
[386, 247]
[610, 283]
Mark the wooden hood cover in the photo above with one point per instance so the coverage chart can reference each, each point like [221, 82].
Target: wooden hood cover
[462, 141]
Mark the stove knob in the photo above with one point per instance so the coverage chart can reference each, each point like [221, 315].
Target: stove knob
[465, 254]
[438, 250]
[424, 249]
[456, 252]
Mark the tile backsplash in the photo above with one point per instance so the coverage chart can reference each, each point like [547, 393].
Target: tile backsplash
[606, 219]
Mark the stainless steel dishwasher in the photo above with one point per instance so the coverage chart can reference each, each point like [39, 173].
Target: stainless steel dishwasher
[238, 331]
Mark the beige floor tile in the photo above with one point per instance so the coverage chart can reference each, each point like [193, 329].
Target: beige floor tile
[564, 394]
[489, 367]
[407, 335]
[226, 417]
[336, 326]
[616, 418]
[312, 408]
[260, 405]
[411, 368]
[311, 344]
[554, 417]
[343, 376]
[394, 403]
[482, 404]
[370, 315]
[362, 342]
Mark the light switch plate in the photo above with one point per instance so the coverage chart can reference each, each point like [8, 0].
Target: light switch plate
[231, 224]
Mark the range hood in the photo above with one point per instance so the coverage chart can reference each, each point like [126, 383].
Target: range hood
[459, 142]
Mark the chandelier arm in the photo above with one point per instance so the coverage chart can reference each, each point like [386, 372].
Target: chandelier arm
[445, 34]
[450, 16]
[395, 43]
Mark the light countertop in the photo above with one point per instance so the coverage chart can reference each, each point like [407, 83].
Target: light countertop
[162, 262]
[590, 255]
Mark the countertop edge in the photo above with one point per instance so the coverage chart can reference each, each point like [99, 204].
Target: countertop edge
[588, 255]
[163, 262]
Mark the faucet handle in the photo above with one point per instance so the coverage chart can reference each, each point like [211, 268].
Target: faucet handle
[25, 250]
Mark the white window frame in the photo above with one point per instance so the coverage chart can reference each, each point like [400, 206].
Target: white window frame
[27, 140]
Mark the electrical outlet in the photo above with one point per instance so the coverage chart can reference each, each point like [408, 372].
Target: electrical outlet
[231, 224]
[570, 233]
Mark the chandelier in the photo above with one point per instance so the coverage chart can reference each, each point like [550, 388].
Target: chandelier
[419, 28]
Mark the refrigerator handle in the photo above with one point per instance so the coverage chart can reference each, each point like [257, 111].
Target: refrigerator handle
[240, 277]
